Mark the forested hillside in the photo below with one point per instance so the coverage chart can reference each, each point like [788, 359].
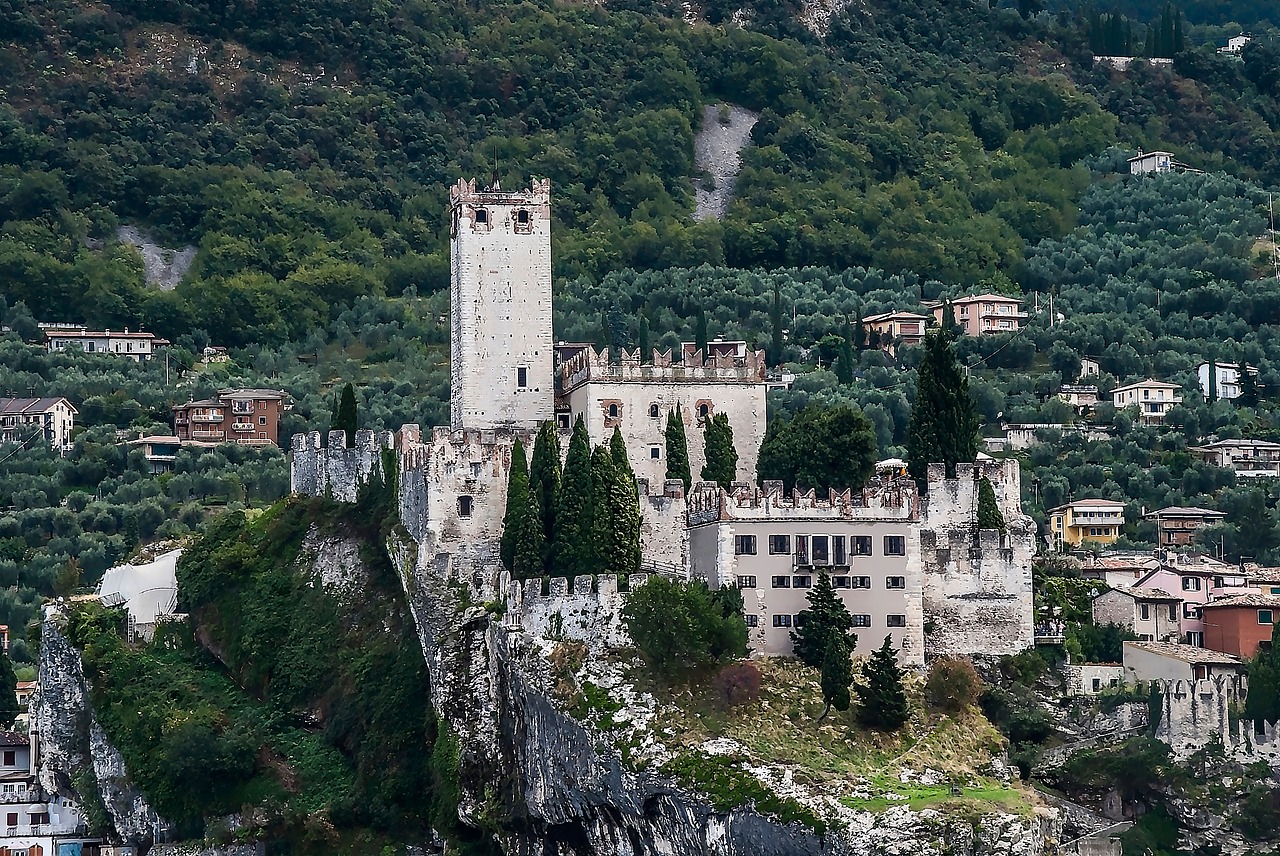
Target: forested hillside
[906, 150]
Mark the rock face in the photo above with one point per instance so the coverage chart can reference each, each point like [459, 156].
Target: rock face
[561, 795]
[72, 742]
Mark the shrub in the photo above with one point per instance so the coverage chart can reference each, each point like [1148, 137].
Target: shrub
[681, 626]
[952, 686]
[737, 684]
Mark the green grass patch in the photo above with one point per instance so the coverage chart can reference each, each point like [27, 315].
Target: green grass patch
[721, 778]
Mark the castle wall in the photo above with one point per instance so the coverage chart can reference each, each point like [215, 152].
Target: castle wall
[500, 301]
[335, 469]
[664, 538]
[586, 609]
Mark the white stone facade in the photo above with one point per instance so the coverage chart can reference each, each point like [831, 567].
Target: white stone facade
[500, 301]
[636, 399]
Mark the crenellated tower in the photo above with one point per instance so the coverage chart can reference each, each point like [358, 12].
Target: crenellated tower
[500, 299]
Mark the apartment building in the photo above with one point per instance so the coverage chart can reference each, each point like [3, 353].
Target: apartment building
[1240, 624]
[52, 419]
[1096, 520]
[984, 314]
[1226, 379]
[1247, 458]
[246, 416]
[136, 346]
[1176, 526]
[896, 328]
[1152, 398]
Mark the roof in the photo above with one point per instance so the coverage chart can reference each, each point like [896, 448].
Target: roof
[1148, 382]
[1002, 298]
[13, 738]
[1143, 155]
[1138, 593]
[897, 314]
[1245, 601]
[1187, 653]
[10, 406]
[1183, 511]
[1090, 503]
[81, 333]
[1238, 442]
[204, 402]
[255, 393]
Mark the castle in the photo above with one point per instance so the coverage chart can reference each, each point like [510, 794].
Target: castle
[910, 566]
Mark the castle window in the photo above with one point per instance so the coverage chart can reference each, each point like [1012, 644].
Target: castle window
[895, 621]
[895, 582]
[703, 410]
[860, 582]
[753, 620]
[781, 582]
[862, 545]
[782, 621]
[802, 582]
[522, 217]
[746, 581]
[819, 545]
[464, 506]
[564, 421]
[840, 582]
[779, 544]
[655, 452]
[653, 411]
[744, 545]
[482, 217]
[613, 411]
[895, 545]
[861, 620]
[837, 550]
[522, 377]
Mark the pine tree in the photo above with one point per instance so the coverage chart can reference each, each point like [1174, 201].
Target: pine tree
[624, 503]
[722, 457]
[600, 539]
[989, 514]
[1248, 387]
[882, 702]
[677, 449]
[345, 416]
[544, 480]
[572, 550]
[8, 692]
[517, 504]
[530, 555]
[837, 675]
[825, 619]
[775, 321]
[944, 422]
[700, 333]
[1212, 395]
[847, 362]
[646, 352]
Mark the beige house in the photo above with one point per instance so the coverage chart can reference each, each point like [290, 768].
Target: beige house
[1247, 458]
[906, 328]
[982, 314]
[1096, 520]
[1152, 398]
[135, 346]
[1170, 661]
[22, 420]
[1153, 614]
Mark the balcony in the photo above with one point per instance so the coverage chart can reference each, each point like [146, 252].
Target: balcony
[241, 426]
[206, 417]
[198, 434]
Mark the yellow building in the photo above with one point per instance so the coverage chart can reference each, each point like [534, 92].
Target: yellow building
[1097, 520]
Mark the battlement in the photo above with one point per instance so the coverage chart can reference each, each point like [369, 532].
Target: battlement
[588, 365]
[955, 501]
[879, 499]
[464, 192]
[336, 469]
[1196, 713]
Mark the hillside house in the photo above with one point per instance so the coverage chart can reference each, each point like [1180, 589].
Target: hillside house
[1247, 458]
[1082, 398]
[1169, 661]
[1118, 570]
[135, 346]
[1235, 45]
[1153, 615]
[1089, 367]
[896, 328]
[983, 314]
[1176, 526]
[1151, 398]
[249, 417]
[1148, 163]
[23, 420]
[1095, 520]
[1240, 624]
[1227, 377]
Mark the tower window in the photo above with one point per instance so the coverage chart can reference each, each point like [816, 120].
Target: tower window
[704, 410]
[655, 452]
[613, 410]
[482, 217]
[522, 217]
[464, 506]
[653, 411]
[522, 377]
[564, 421]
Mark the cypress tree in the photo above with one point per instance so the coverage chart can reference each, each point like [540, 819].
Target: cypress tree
[775, 321]
[989, 515]
[1179, 44]
[646, 352]
[572, 549]
[517, 504]
[700, 334]
[1248, 387]
[882, 702]
[944, 422]
[677, 449]
[530, 555]
[345, 415]
[8, 692]
[544, 480]
[722, 457]
[1149, 49]
[600, 538]
[624, 503]
[826, 619]
[1213, 381]
[860, 334]
[837, 675]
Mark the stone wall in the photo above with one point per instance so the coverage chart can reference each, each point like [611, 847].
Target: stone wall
[335, 469]
[586, 609]
[664, 537]
[1080, 677]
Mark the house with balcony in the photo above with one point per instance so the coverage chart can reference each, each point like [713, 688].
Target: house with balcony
[1153, 615]
[983, 314]
[1247, 458]
[245, 416]
[35, 821]
[1151, 398]
[1226, 378]
[1176, 526]
[896, 328]
[50, 420]
[1235, 45]
[1096, 520]
[136, 346]
[1240, 624]
[1082, 398]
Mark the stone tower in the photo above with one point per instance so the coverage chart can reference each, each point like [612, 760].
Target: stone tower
[500, 298]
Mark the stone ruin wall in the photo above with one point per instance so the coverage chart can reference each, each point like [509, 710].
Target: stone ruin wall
[336, 469]
[1195, 714]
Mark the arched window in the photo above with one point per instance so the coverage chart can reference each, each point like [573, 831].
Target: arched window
[613, 411]
[703, 410]
[653, 411]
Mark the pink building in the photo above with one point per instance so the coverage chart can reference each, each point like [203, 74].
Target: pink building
[982, 314]
[1197, 582]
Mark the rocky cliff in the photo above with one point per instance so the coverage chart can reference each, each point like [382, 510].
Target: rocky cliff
[79, 762]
